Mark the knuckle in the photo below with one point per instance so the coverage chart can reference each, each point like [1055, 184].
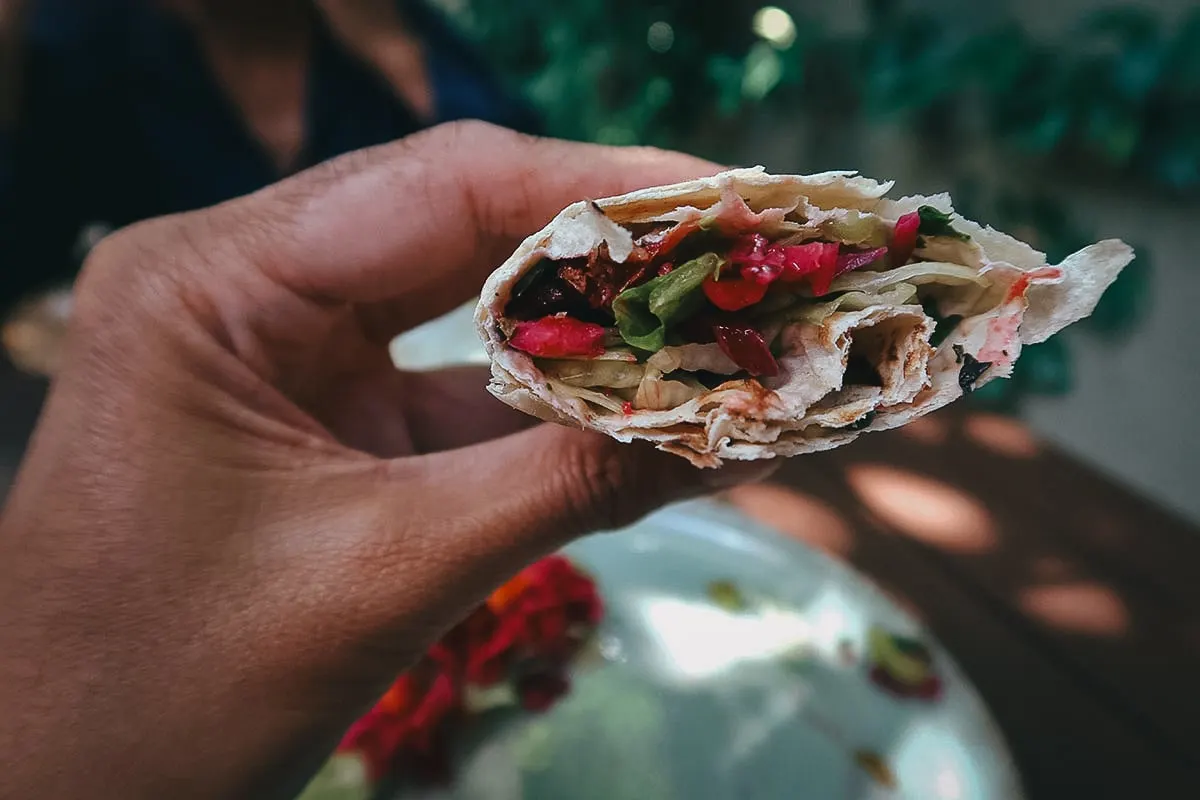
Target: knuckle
[473, 145]
[133, 274]
[111, 268]
[472, 136]
[513, 217]
[289, 197]
[599, 492]
[651, 153]
[469, 132]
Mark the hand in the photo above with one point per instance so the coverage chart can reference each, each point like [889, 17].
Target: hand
[237, 522]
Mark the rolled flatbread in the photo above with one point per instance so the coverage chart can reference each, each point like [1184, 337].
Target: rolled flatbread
[747, 315]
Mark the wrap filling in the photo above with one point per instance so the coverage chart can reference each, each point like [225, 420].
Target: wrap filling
[699, 304]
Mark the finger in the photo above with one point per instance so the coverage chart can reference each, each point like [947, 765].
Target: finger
[451, 408]
[366, 412]
[423, 221]
[537, 490]
[442, 531]
[389, 414]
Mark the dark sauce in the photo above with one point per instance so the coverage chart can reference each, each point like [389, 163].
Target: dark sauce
[971, 371]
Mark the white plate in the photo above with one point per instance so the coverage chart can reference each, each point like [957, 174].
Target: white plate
[696, 702]
[445, 341]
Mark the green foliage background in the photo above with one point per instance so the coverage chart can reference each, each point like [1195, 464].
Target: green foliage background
[1114, 98]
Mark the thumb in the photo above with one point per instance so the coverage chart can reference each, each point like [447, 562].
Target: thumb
[510, 501]
[440, 532]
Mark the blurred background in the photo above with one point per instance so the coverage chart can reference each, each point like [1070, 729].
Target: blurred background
[1061, 122]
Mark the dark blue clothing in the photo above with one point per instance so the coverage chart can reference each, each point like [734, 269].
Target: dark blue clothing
[121, 120]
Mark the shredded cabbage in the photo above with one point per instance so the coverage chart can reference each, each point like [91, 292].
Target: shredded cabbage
[951, 251]
[596, 398]
[693, 358]
[657, 394]
[609, 354]
[859, 228]
[816, 313]
[920, 273]
[898, 295]
[586, 374]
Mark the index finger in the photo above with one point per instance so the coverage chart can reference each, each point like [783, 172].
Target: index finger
[422, 221]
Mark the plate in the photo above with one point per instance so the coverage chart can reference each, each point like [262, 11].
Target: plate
[449, 340]
[734, 662]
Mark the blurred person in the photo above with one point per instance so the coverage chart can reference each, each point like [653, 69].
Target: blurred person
[115, 111]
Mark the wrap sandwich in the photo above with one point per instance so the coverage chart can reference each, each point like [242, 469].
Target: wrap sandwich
[747, 315]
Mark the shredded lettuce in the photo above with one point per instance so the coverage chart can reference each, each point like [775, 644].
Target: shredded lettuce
[920, 273]
[645, 312]
[588, 374]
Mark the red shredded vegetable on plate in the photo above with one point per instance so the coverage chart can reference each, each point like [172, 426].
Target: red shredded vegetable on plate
[525, 636]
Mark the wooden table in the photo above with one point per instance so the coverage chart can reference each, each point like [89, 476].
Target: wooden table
[1072, 604]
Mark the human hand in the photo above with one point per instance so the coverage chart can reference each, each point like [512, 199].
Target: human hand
[237, 522]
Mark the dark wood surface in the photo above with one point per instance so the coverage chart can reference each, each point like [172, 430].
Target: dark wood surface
[1071, 603]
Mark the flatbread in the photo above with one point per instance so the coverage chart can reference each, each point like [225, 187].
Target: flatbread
[1015, 299]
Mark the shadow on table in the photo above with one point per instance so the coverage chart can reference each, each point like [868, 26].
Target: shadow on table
[1069, 601]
